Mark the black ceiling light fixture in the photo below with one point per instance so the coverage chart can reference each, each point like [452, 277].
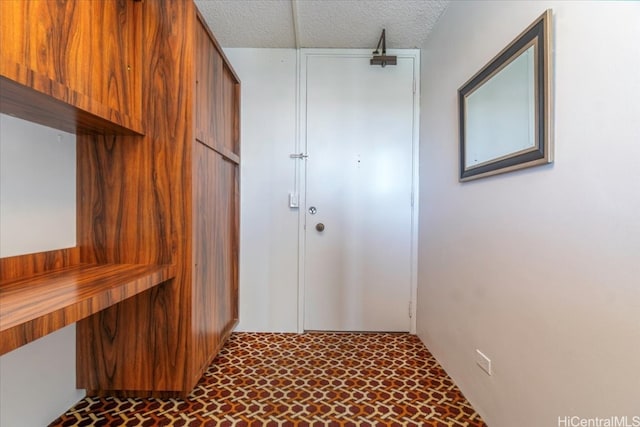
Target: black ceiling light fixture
[381, 58]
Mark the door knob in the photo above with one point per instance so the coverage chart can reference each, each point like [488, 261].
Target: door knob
[320, 226]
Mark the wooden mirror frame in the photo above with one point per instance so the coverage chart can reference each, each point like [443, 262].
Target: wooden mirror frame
[538, 35]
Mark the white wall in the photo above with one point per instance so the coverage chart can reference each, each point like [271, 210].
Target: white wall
[37, 213]
[37, 188]
[268, 227]
[540, 269]
[38, 380]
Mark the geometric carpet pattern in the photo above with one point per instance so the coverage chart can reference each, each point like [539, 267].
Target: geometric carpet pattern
[313, 379]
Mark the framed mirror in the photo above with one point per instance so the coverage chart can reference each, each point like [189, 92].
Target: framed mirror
[505, 108]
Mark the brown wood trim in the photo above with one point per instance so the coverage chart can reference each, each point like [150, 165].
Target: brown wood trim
[224, 336]
[34, 97]
[36, 306]
[217, 45]
[144, 394]
[237, 126]
[36, 263]
[223, 151]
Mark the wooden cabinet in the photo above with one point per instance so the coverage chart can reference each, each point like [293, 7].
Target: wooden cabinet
[216, 120]
[171, 196]
[168, 197]
[84, 54]
[216, 193]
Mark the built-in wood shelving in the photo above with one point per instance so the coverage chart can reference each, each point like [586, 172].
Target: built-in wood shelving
[34, 306]
[39, 99]
[147, 193]
[74, 66]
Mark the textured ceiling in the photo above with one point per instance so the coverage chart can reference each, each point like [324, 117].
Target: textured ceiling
[321, 23]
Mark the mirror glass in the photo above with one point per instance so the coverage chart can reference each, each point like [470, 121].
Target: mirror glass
[501, 113]
[505, 108]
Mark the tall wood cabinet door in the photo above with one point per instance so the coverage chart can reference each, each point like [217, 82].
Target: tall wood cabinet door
[216, 204]
[226, 246]
[204, 292]
[91, 47]
[227, 107]
[217, 97]
[207, 62]
[215, 250]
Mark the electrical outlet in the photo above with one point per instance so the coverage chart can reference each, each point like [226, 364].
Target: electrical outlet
[483, 361]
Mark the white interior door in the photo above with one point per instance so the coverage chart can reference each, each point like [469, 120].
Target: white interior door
[359, 179]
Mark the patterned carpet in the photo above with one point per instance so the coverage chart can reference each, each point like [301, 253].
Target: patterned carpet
[319, 379]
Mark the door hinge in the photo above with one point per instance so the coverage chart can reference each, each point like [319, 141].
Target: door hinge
[298, 156]
[410, 311]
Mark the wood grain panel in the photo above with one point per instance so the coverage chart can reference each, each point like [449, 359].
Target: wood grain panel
[217, 96]
[213, 105]
[215, 214]
[35, 306]
[90, 47]
[216, 254]
[206, 338]
[205, 65]
[217, 46]
[134, 205]
[117, 26]
[38, 99]
[219, 117]
[234, 297]
[218, 102]
[226, 153]
[36, 263]
[230, 106]
[225, 245]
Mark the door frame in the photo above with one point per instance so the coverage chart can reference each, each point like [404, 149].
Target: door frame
[301, 173]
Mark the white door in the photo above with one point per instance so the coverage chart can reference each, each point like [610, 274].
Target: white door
[359, 178]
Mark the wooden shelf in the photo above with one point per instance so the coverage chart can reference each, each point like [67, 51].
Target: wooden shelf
[34, 306]
[34, 97]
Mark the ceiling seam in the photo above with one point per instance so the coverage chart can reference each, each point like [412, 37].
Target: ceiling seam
[296, 30]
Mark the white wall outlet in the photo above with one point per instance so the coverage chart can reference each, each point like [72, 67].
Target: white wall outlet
[483, 361]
